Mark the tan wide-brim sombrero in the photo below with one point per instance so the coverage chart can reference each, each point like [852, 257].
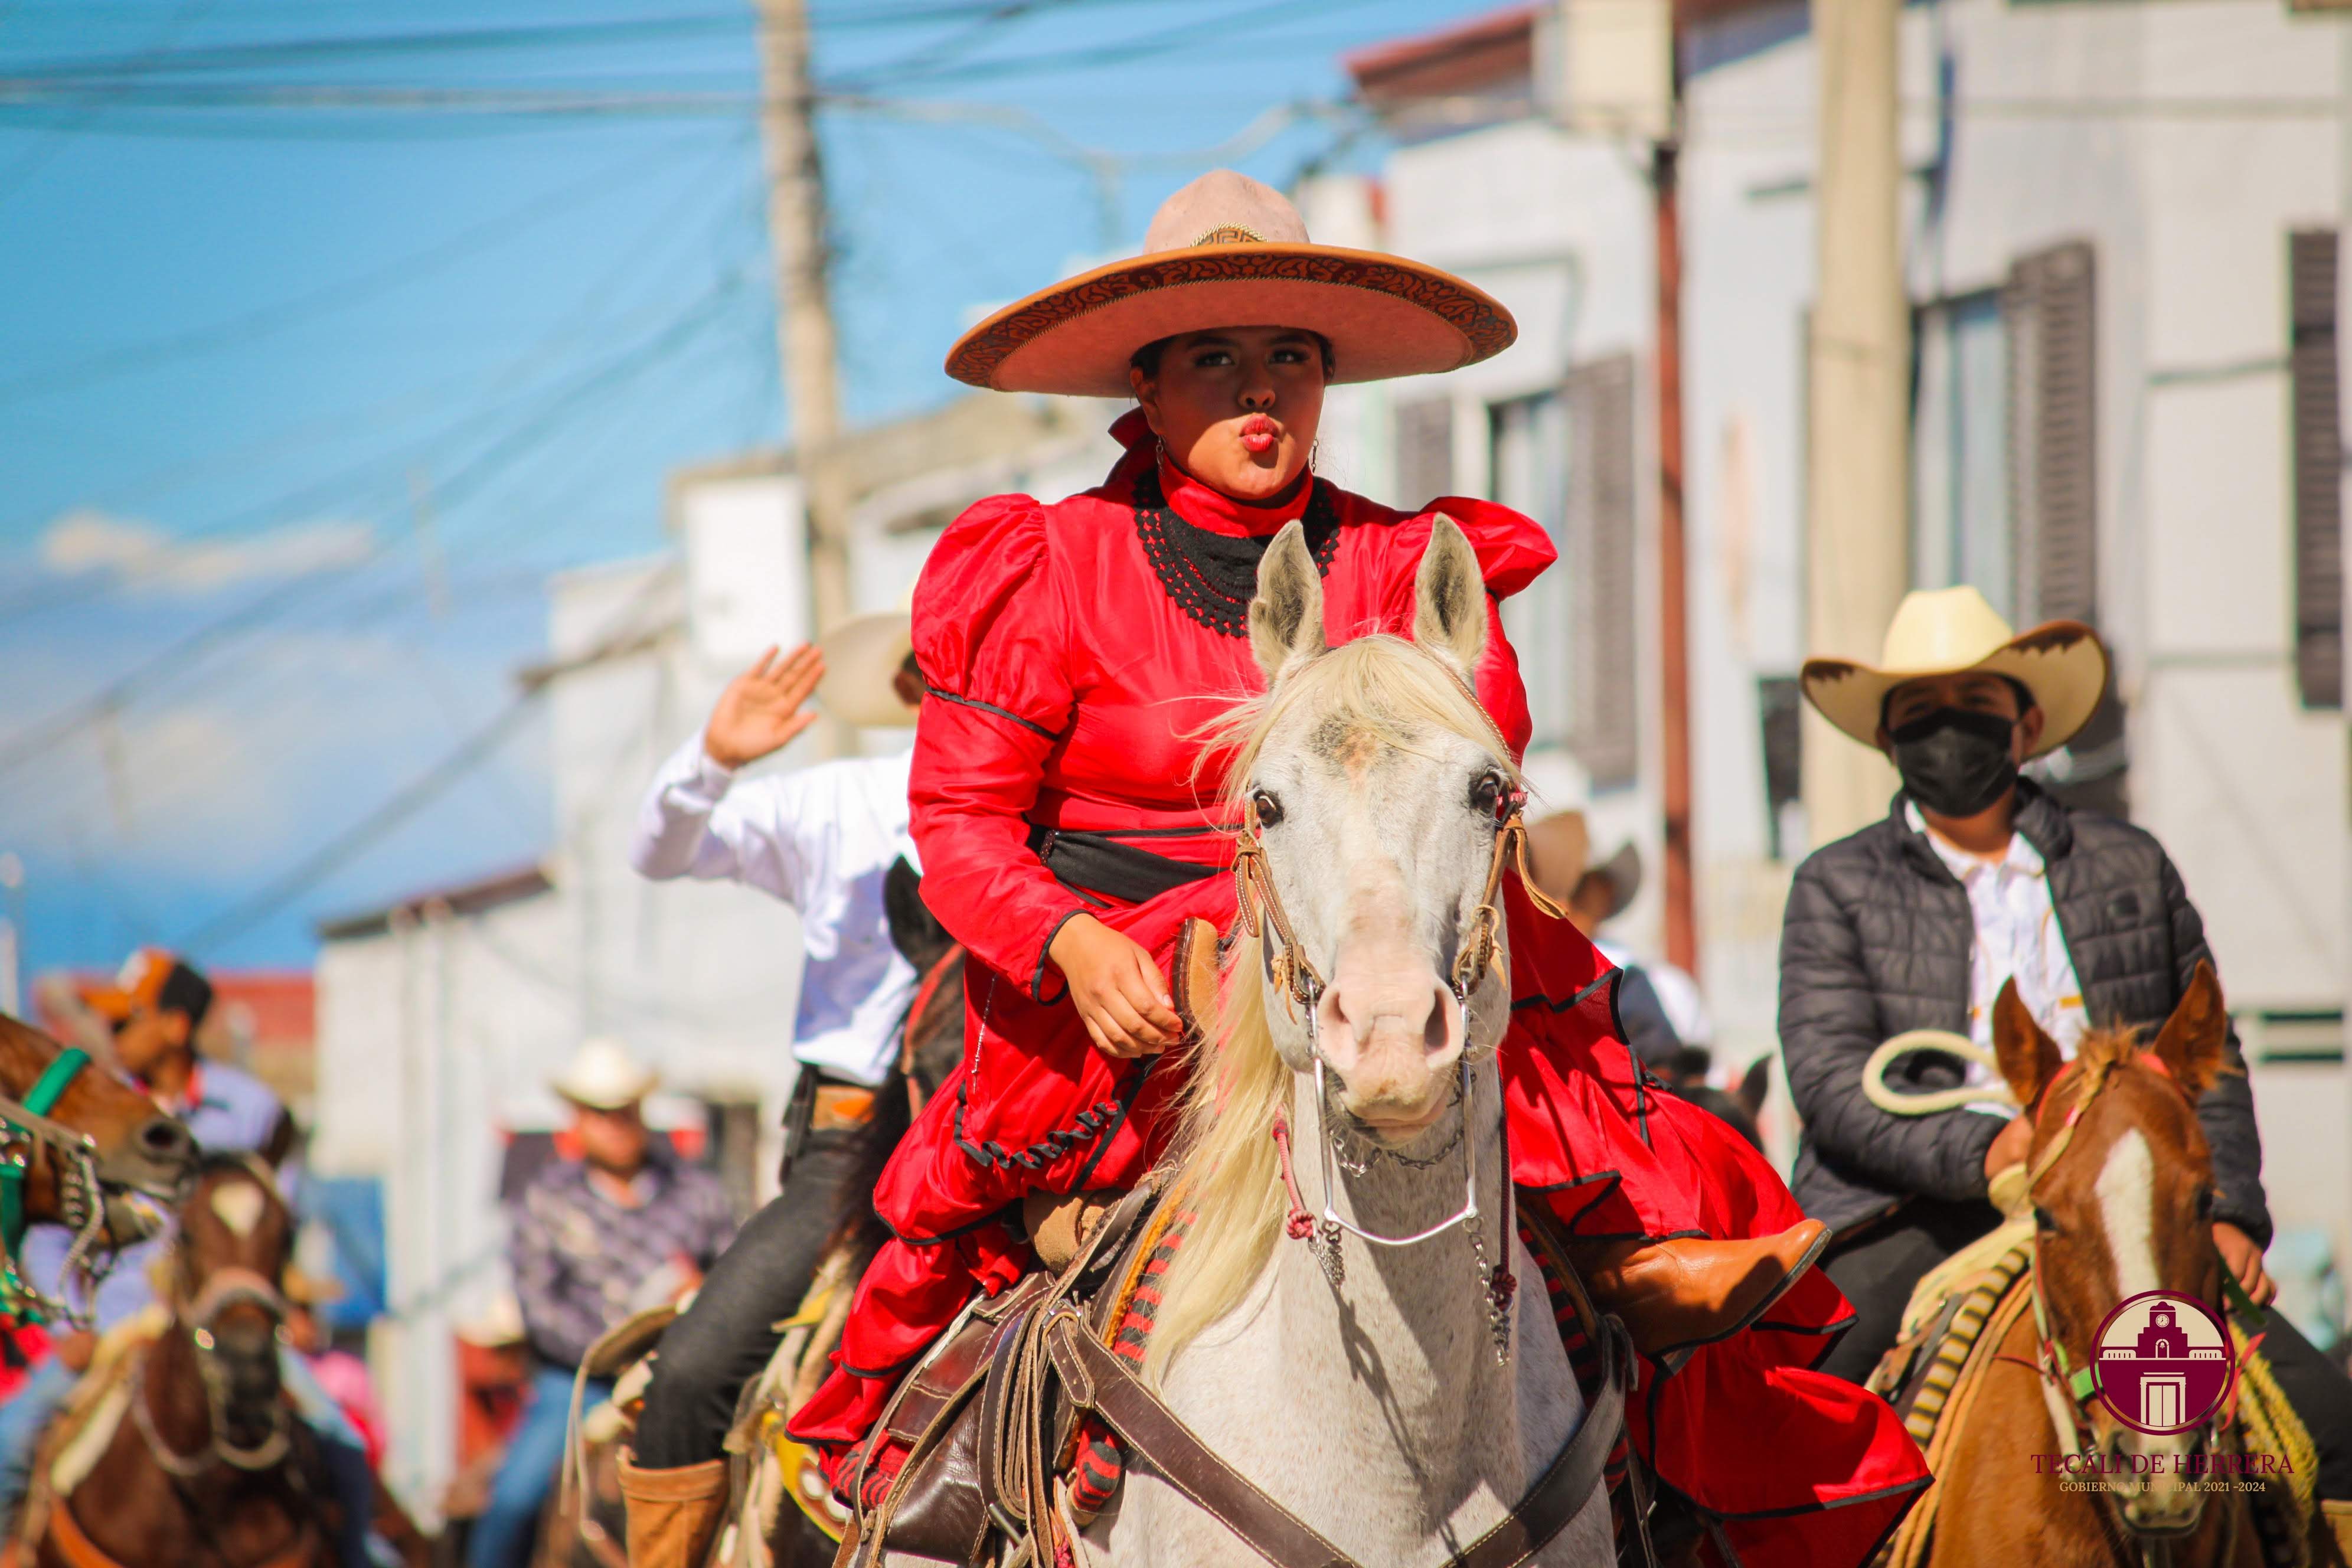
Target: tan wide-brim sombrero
[1226, 251]
[1949, 631]
[862, 656]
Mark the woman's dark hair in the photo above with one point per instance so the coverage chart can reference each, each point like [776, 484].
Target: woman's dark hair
[1146, 358]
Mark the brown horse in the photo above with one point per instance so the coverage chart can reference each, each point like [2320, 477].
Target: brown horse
[208, 1467]
[104, 1147]
[2122, 1185]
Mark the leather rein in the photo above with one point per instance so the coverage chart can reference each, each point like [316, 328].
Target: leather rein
[26, 1132]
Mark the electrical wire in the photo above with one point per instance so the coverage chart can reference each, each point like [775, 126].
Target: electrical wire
[39, 736]
[251, 325]
[623, 630]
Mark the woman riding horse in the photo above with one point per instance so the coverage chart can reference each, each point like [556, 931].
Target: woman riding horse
[1065, 803]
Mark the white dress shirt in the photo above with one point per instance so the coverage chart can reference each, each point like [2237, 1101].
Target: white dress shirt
[2017, 937]
[821, 839]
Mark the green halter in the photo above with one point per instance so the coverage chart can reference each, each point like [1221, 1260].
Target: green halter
[16, 1139]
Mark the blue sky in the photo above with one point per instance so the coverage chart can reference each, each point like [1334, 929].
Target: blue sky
[316, 357]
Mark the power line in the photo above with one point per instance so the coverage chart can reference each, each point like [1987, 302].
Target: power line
[625, 634]
[32, 741]
[250, 325]
[377, 469]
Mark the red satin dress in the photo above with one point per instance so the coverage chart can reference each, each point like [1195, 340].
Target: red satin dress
[1074, 651]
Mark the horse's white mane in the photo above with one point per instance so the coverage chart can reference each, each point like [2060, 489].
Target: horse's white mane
[1225, 1170]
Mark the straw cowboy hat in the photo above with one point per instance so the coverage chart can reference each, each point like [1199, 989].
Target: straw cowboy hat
[603, 1075]
[1948, 631]
[1560, 854]
[1226, 251]
[861, 656]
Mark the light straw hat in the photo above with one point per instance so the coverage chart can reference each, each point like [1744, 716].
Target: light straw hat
[1559, 853]
[1946, 631]
[603, 1075]
[862, 655]
[1226, 251]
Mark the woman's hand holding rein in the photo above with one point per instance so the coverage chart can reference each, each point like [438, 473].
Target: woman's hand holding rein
[1119, 991]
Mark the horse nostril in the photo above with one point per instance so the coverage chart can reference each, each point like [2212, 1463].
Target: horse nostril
[166, 1138]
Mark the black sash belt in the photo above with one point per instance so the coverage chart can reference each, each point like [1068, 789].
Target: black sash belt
[1101, 864]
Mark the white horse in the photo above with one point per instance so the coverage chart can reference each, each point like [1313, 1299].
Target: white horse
[1381, 1392]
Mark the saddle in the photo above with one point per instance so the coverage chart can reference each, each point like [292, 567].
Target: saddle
[997, 1418]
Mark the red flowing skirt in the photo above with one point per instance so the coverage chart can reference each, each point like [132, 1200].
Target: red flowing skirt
[1796, 1469]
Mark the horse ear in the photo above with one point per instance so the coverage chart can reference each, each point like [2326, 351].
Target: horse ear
[2029, 1057]
[1755, 1084]
[2192, 1040]
[1449, 615]
[1286, 619]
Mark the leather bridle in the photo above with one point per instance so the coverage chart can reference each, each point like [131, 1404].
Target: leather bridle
[2072, 1388]
[226, 1287]
[1293, 973]
[26, 1133]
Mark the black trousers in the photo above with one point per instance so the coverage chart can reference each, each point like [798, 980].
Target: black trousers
[727, 1337]
[1879, 1269]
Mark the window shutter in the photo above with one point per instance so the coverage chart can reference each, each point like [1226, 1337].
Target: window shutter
[1601, 527]
[1424, 450]
[2051, 310]
[2319, 470]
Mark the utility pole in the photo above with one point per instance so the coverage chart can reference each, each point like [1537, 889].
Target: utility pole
[1858, 465]
[1673, 603]
[804, 333]
[1619, 77]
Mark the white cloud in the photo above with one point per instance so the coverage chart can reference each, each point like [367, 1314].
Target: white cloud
[86, 540]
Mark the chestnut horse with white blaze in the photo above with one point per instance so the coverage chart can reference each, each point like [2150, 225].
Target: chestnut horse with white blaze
[2121, 1188]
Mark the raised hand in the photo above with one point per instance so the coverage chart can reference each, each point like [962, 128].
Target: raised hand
[763, 710]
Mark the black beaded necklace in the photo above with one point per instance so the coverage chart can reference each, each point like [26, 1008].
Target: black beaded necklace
[1212, 576]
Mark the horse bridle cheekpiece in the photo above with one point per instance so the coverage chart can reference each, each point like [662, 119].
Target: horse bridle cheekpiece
[1293, 973]
[223, 1289]
[2074, 1389]
[25, 1129]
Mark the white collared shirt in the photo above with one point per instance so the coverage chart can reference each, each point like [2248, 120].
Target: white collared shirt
[821, 839]
[2017, 937]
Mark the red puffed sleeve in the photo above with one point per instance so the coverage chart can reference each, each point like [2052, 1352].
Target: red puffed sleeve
[988, 622]
[1513, 551]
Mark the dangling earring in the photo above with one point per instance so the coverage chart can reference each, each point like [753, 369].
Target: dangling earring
[1159, 449]
[1314, 454]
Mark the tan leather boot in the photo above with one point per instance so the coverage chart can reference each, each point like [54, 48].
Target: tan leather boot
[1674, 1295]
[674, 1515]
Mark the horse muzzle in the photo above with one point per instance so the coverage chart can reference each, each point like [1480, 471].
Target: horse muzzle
[2162, 1500]
[1393, 1037]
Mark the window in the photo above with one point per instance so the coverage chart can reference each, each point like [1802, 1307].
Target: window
[1567, 459]
[2319, 470]
[2004, 471]
[1961, 530]
[1530, 475]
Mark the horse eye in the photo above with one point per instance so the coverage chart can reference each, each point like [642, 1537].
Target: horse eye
[1269, 810]
[2204, 1203]
[1486, 793]
[2044, 1221]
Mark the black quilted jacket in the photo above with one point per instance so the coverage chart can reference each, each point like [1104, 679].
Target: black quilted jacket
[1877, 940]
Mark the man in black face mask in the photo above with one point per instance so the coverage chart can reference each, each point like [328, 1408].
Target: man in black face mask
[1978, 877]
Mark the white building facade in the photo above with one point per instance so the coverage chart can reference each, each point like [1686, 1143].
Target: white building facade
[2119, 229]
